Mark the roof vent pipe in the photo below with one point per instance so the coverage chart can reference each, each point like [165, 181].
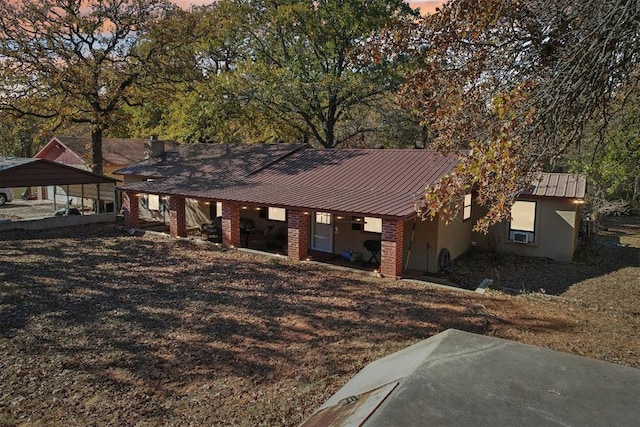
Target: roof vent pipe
[153, 147]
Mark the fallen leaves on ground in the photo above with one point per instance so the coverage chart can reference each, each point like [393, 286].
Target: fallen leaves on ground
[100, 327]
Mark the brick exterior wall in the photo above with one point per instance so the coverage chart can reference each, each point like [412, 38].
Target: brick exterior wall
[392, 247]
[131, 206]
[177, 217]
[298, 235]
[231, 224]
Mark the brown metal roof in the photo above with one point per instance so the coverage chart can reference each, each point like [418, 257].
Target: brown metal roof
[558, 185]
[380, 182]
[115, 151]
[367, 182]
[29, 172]
[373, 182]
[207, 165]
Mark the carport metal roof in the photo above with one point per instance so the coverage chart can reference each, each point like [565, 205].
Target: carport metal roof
[29, 172]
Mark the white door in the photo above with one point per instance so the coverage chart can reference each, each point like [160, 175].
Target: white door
[322, 232]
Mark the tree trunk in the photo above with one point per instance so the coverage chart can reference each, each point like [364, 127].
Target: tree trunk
[96, 150]
[330, 123]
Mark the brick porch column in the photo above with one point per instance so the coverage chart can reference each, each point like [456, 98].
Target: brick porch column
[230, 224]
[392, 248]
[298, 235]
[131, 206]
[177, 217]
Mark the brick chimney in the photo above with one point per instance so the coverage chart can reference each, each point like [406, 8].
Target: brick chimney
[153, 147]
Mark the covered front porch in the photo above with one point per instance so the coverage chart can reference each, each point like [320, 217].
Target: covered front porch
[298, 233]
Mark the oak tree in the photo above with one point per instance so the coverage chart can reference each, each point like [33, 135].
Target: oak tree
[510, 84]
[77, 61]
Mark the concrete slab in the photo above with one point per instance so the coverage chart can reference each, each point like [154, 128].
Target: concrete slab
[461, 379]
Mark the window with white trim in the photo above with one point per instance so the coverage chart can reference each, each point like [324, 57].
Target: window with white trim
[277, 214]
[154, 202]
[372, 225]
[466, 212]
[522, 227]
[323, 218]
[218, 209]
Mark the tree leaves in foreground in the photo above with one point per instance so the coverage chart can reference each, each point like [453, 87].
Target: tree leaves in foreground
[76, 61]
[510, 84]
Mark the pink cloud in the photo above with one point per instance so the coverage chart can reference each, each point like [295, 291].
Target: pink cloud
[185, 4]
[426, 6]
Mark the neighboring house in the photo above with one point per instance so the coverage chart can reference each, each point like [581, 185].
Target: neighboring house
[323, 200]
[116, 154]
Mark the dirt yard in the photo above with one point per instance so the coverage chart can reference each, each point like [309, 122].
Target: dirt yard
[24, 209]
[101, 328]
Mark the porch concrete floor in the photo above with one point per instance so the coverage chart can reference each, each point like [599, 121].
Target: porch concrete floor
[335, 261]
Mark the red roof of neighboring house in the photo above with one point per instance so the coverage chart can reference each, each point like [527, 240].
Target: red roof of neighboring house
[558, 185]
[115, 151]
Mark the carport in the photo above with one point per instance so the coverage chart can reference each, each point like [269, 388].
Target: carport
[30, 172]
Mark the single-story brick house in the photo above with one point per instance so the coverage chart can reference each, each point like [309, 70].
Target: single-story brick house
[320, 200]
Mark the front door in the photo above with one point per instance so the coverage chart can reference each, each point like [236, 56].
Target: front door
[322, 232]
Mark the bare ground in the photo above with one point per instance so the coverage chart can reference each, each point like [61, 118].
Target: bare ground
[23, 209]
[101, 328]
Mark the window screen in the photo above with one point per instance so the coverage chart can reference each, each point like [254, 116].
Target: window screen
[373, 225]
[523, 216]
[277, 214]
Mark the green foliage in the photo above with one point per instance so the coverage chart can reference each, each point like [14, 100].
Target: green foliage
[20, 137]
[610, 158]
[314, 62]
[293, 70]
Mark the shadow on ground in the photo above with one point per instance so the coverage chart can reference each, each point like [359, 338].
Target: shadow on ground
[97, 326]
[616, 247]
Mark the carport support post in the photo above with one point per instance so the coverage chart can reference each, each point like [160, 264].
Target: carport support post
[392, 247]
[230, 224]
[177, 217]
[298, 235]
[131, 207]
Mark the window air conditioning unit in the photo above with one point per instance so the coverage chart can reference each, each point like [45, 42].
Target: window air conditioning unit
[520, 237]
